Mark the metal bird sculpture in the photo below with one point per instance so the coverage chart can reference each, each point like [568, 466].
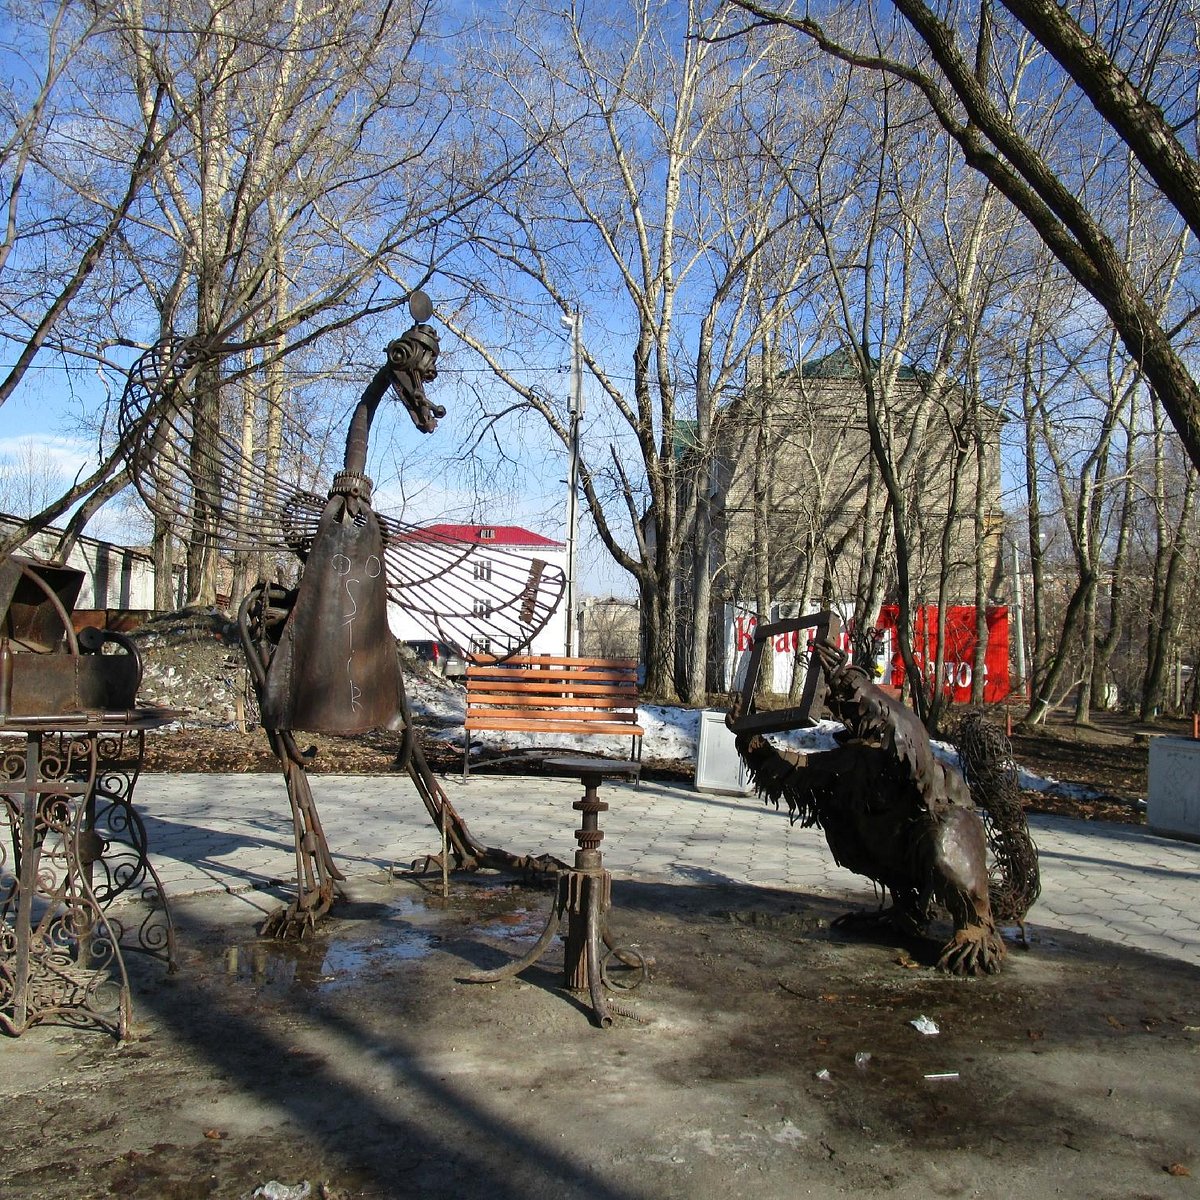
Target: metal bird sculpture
[889, 809]
[319, 652]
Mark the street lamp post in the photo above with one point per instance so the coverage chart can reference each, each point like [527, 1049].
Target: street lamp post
[574, 322]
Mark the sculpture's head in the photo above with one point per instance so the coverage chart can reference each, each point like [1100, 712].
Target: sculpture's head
[413, 360]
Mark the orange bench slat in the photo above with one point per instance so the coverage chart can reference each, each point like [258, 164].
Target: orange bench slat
[600, 716]
[562, 725]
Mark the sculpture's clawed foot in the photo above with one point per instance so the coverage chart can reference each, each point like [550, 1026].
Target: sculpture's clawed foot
[432, 864]
[975, 950]
[294, 922]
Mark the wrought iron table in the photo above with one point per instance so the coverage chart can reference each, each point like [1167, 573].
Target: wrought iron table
[77, 845]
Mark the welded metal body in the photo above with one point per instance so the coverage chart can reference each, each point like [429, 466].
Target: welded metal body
[335, 669]
[322, 657]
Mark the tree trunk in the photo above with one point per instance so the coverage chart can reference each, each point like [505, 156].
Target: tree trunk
[1047, 693]
[1166, 615]
[763, 472]
[701, 623]
[1106, 645]
[206, 488]
[163, 544]
[659, 624]
[1083, 696]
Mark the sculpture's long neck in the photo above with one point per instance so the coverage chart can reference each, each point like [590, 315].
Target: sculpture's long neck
[360, 424]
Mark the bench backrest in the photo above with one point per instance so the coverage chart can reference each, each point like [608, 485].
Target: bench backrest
[556, 694]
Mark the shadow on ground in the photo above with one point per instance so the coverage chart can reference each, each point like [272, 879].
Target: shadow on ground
[358, 1061]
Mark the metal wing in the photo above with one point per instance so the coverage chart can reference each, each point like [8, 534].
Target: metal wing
[212, 486]
[191, 472]
[481, 599]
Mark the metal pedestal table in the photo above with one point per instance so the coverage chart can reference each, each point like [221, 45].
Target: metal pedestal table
[584, 898]
[77, 846]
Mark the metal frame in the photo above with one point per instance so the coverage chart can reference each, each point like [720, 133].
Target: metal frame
[78, 845]
[828, 628]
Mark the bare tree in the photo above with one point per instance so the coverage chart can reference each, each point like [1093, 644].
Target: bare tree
[1145, 109]
[29, 478]
[646, 207]
[73, 166]
[1083, 419]
[300, 162]
[297, 161]
[908, 279]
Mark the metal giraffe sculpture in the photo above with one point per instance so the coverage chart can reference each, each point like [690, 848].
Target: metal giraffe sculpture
[320, 654]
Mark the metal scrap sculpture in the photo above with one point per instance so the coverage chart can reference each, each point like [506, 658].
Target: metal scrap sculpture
[320, 654]
[889, 809]
[68, 767]
[986, 760]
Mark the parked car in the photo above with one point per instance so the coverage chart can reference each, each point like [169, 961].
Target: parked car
[442, 658]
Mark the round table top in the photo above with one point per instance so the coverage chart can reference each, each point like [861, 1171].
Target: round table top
[581, 764]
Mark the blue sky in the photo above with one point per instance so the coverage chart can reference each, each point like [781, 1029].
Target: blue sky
[417, 475]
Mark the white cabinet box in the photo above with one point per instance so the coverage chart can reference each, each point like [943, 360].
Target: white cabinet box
[1173, 798]
[718, 767]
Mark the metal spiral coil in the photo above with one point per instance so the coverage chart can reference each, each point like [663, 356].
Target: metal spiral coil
[986, 758]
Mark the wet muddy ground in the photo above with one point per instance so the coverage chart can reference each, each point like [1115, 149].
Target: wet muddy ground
[359, 1063]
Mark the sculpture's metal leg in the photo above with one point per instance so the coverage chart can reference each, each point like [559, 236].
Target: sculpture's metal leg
[316, 872]
[468, 854]
[464, 848]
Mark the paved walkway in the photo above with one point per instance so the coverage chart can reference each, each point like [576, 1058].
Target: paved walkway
[232, 833]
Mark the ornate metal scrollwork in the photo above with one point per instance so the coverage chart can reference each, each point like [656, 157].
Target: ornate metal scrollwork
[61, 952]
[74, 865]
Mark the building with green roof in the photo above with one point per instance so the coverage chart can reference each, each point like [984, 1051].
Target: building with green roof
[801, 513]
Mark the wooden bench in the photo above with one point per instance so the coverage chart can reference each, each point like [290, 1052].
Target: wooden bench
[541, 693]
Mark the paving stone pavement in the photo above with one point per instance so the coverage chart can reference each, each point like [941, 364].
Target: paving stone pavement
[232, 833]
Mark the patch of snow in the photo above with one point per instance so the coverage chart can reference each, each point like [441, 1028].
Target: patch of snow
[819, 737]
[438, 702]
[1048, 785]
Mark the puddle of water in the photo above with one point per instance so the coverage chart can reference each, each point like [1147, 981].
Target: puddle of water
[404, 928]
[345, 960]
[508, 912]
[277, 967]
[520, 925]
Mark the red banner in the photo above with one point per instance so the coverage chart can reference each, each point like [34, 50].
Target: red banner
[959, 665]
[957, 670]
